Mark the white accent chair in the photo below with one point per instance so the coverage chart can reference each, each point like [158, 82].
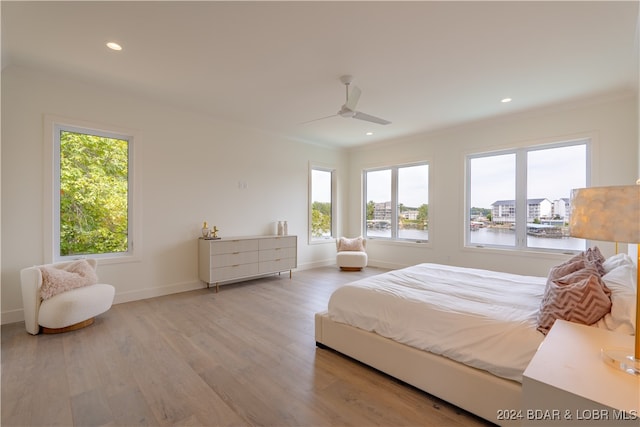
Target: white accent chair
[66, 311]
[352, 254]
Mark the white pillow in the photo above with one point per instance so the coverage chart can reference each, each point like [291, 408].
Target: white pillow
[621, 280]
[616, 261]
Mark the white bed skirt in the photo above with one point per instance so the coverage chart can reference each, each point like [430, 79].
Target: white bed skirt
[471, 389]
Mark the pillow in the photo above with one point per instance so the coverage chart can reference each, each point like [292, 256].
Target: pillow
[580, 297]
[622, 282]
[571, 266]
[56, 280]
[594, 257]
[589, 258]
[355, 244]
[616, 261]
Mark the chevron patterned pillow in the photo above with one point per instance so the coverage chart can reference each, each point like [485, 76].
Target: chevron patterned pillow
[580, 297]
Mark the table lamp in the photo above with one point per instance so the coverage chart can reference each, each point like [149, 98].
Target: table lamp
[611, 214]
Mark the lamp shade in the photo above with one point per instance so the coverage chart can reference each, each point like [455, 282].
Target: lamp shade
[606, 213]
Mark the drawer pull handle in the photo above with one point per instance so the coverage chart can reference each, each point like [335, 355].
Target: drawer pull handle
[236, 265]
[235, 253]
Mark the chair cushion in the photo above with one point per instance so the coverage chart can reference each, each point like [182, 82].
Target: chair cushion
[346, 244]
[351, 259]
[76, 305]
[63, 278]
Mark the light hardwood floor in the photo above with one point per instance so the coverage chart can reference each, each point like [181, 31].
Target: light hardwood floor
[243, 356]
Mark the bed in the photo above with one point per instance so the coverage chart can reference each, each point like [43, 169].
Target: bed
[463, 335]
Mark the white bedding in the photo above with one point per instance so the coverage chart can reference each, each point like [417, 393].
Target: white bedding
[482, 318]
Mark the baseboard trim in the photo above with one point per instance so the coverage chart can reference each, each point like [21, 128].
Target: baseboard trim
[15, 316]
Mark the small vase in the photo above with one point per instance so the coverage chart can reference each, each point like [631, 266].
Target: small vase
[285, 228]
[280, 228]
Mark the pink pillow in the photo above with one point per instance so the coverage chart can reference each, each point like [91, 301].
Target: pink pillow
[56, 280]
[355, 244]
[580, 297]
[595, 257]
[592, 257]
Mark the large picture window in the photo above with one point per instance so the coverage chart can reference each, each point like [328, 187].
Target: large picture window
[397, 203]
[521, 198]
[92, 193]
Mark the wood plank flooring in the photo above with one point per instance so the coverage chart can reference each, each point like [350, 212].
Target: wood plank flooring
[245, 356]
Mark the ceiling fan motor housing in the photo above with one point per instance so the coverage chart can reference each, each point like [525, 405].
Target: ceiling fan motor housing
[346, 112]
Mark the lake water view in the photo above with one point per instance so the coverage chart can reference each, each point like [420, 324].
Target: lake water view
[494, 236]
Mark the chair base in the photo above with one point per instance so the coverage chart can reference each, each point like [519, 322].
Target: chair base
[74, 327]
[351, 268]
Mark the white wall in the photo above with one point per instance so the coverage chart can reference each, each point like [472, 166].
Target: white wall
[612, 123]
[188, 168]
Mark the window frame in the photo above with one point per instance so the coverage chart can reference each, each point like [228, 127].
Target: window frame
[521, 196]
[53, 126]
[394, 201]
[334, 191]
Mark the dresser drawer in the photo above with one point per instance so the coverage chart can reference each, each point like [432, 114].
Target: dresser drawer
[277, 265]
[233, 246]
[235, 258]
[277, 253]
[233, 272]
[278, 242]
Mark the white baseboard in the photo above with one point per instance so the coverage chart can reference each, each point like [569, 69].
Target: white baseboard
[316, 264]
[386, 265]
[141, 294]
[14, 316]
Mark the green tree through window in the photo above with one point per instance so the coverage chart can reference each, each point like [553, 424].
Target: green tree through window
[94, 194]
[322, 203]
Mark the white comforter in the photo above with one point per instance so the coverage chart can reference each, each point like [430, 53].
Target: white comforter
[482, 318]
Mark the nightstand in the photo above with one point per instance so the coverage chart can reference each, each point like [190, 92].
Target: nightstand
[568, 383]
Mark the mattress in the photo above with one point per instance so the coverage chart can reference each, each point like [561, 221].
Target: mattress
[484, 319]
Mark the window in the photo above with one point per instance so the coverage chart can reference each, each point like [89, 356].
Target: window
[521, 198]
[92, 193]
[397, 202]
[322, 191]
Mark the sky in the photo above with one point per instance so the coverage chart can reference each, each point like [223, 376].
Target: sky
[413, 185]
[551, 173]
[321, 186]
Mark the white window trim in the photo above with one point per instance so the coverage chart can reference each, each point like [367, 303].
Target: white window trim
[52, 124]
[334, 208]
[521, 188]
[394, 202]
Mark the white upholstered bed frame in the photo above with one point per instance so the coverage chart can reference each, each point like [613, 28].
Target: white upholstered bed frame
[471, 389]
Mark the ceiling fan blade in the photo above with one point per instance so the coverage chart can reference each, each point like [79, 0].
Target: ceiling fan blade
[366, 117]
[321, 118]
[353, 97]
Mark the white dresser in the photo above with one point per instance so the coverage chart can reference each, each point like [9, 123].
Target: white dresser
[236, 258]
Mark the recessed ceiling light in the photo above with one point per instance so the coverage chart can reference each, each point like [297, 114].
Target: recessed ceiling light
[505, 100]
[369, 133]
[114, 46]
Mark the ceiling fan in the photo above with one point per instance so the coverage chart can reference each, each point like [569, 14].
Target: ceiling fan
[348, 109]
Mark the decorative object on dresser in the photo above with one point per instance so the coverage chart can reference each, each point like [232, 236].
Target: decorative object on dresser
[232, 259]
[611, 214]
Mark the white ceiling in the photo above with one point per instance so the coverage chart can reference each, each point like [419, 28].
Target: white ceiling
[422, 65]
